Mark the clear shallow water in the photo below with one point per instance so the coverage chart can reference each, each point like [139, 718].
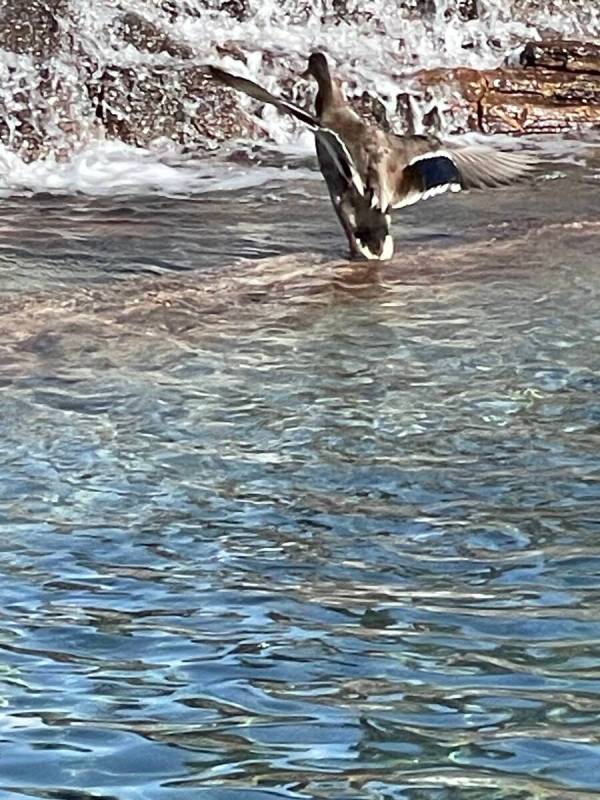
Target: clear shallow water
[288, 528]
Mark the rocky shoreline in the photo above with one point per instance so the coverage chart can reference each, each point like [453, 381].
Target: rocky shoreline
[54, 95]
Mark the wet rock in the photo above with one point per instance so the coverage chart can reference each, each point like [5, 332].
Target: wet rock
[231, 49]
[46, 118]
[56, 103]
[422, 7]
[518, 114]
[372, 109]
[145, 36]
[464, 9]
[347, 11]
[183, 105]
[40, 93]
[539, 100]
[570, 88]
[175, 8]
[468, 9]
[452, 98]
[239, 9]
[32, 27]
[562, 95]
[470, 84]
[563, 55]
[44, 109]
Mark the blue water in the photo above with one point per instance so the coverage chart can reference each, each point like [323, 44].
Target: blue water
[291, 529]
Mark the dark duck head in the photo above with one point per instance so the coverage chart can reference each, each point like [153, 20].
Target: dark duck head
[318, 67]
[329, 94]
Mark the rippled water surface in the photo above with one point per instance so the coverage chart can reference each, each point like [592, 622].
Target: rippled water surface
[282, 527]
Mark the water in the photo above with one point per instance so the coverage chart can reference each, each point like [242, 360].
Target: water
[72, 79]
[275, 526]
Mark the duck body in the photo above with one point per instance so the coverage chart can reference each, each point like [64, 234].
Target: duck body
[369, 172]
[365, 223]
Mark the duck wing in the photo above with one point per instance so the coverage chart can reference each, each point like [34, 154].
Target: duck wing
[433, 167]
[335, 161]
[481, 166]
[262, 95]
[338, 159]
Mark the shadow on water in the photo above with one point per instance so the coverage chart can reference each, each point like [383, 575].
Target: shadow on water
[294, 528]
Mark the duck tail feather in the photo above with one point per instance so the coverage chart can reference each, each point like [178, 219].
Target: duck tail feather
[371, 231]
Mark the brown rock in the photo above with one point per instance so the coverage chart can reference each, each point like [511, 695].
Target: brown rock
[468, 9]
[553, 98]
[343, 11]
[49, 116]
[562, 54]
[174, 9]
[469, 83]
[181, 104]
[462, 90]
[31, 26]
[560, 87]
[519, 113]
[231, 49]
[42, 106]
[143, 35]
[531, 100]
[239, 9]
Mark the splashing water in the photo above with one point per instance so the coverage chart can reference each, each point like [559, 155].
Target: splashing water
[74, 76]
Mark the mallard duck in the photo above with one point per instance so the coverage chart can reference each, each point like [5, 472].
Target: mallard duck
[370, 172]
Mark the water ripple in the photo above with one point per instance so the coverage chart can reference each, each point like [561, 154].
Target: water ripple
[292, 529]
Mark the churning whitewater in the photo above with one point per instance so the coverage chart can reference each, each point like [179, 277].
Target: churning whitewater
[64, 147]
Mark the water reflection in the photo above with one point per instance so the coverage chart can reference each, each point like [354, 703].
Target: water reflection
[290, 529]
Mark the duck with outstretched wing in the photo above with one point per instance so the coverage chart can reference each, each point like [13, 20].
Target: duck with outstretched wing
[370, 172]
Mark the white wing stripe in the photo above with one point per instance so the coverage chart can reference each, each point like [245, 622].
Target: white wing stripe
[413, 197]
[356, 179]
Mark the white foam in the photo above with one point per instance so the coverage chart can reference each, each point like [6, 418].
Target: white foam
[114, 168]
[370, 49]
[109, 168]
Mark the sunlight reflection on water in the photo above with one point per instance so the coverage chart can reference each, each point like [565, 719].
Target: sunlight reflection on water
[294, 529]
